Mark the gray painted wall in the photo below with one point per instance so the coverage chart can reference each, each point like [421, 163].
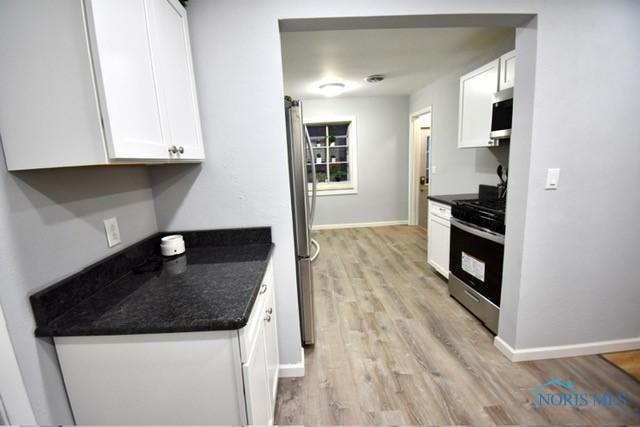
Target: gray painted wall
[458, 170]
[382, 129]
[579, 278]
[243, 121]
[51, 226]
[572, 255]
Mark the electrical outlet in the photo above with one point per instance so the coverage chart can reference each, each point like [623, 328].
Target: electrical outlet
[113, 231]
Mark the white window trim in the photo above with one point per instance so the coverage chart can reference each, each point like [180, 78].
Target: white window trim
[336, 189]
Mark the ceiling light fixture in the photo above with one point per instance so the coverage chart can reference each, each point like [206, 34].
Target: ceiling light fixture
[331, 89]
[374, 78]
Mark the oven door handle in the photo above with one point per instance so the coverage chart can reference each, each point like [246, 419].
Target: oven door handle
[476, 231]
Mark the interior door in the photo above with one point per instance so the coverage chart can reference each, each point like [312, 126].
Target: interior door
[423, 182]
[171, 54]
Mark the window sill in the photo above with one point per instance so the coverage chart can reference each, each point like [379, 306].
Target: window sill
[335, 190]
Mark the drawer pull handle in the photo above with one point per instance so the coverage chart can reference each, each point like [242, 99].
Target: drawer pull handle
[263, 289]
[470, 295]
[269, 310]
[267, 318]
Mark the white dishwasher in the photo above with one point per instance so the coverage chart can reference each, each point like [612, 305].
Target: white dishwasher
[438, 236]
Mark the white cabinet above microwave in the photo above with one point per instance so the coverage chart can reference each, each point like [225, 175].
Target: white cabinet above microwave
[507, 70]
[97, 82]
[476, 93]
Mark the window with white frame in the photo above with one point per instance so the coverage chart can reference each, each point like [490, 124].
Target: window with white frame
[334, 155]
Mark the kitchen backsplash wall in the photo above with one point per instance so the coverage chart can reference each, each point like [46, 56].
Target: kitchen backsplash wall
[51, 223]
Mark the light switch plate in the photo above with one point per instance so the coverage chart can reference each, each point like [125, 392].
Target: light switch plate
[113, 231]
[553, 178]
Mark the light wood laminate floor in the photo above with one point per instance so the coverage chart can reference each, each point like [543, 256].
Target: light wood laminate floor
[394, 348]
[628, 361]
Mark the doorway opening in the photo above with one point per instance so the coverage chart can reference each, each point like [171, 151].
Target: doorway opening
[372, 270]
[419, 166]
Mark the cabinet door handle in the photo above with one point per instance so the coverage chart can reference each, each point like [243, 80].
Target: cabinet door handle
[181, 149]
[269, 310]
[173, 149]
[263, 289]
[267, 318]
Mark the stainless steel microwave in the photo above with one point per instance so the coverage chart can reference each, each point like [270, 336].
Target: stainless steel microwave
[501, 115]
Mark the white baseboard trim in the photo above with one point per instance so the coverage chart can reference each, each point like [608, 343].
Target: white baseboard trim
[293, 370]
[360, 225]
[572, 350]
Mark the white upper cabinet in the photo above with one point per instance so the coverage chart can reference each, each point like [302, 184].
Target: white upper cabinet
[476, 92]
[171, 53]
[49, 116]
[507, 69]
[126, 81]
[97, 82]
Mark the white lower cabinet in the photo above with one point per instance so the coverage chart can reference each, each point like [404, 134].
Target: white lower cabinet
[211, 377]
[272, 352]
[255, 374]
[261, 361]
[438, 235]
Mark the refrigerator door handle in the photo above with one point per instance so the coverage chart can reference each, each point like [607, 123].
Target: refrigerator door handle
[314, 183]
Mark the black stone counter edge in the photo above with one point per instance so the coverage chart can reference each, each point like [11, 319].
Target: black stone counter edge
[55, 300]
[205, 325]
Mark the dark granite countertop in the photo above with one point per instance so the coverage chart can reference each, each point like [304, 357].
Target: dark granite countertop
[448, 199]
[213, 286]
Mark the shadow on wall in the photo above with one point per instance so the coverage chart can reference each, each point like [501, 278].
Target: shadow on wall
[170, 185]
[62, 194]
[55, 217]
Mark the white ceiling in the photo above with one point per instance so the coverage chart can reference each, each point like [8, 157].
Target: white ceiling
[409, 58]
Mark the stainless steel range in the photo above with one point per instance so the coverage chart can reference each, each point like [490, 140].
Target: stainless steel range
[476, 257]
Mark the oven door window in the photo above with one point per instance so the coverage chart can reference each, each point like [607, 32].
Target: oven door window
[477, 262]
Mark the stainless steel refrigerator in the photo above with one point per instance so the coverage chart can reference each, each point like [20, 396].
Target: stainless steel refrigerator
[303, 206]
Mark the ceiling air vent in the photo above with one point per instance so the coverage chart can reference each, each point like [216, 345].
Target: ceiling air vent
[374, 78]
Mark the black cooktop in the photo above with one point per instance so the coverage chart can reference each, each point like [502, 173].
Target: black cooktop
[484, 213]
[498, 205]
